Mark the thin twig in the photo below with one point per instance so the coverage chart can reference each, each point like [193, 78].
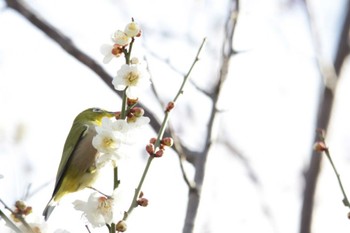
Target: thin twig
[183, 157]
[172, 67]
[161, 132]
[323, 116]
[322, 147]
[19, 217]
[9, 223]
[200, 161]
[87, 228]
[179, 148]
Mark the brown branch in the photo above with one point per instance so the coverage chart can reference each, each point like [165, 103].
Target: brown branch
[329, 72]
[201, 159]
[183, 152]
[184, 155]
[343, 44]
[67, 45]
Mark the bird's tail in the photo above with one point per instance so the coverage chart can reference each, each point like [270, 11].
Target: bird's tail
[49, 208]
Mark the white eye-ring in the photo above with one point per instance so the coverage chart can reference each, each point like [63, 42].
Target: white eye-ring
[97, 110]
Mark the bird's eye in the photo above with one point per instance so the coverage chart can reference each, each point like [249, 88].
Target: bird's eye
[97, 110]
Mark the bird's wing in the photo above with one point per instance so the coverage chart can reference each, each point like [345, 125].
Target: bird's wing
[76, 134]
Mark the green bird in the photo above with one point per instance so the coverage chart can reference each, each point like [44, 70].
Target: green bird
[77, 169]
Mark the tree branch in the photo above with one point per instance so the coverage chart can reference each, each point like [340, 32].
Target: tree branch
[343, 45]
[67, 45]
[201, 159]
[329, 73]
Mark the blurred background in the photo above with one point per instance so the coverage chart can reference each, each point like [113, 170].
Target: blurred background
[274, 71]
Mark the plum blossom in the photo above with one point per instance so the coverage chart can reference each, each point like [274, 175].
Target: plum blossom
[121, 38]
[133, 77]
[132, 29]
[100, 210]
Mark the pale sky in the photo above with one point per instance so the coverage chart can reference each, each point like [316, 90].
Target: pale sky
[268, 106]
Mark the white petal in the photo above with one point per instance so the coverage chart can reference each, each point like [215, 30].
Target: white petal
[107, 58]
[106, 49]
[132, 93]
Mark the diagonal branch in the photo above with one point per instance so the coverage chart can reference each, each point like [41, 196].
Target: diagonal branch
[183, 152]
[65, 42]
[67, 45]
[200, 160]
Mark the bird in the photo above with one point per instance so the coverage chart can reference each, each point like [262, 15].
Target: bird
[77, 169]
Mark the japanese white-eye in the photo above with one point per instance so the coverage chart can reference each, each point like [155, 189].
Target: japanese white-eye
[77, 169]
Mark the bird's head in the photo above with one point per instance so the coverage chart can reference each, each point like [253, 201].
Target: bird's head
[94, 115]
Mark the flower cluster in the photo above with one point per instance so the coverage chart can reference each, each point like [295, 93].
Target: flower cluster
[132, 76]
[120, 40]
[25, 221]
[113, 135]
[112, 138]
[20, 211]
[158, 151]
[100, 210]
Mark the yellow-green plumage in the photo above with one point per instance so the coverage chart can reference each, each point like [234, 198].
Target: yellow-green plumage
[77, 168]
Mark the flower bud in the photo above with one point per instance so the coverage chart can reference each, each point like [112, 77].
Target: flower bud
[153, 140]
[131, 118]
[131, 102]
[320, 147]
[161, 146]
[170, 106]
[121, 226]
[137, 111]
[142, 202]
[132, 29]
[20, 205]
[21, 210]
[28, 210]
[159, 153]
[168, 141]
[117, 50]
[150, 149]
